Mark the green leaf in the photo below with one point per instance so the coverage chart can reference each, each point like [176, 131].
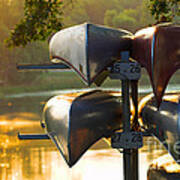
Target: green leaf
[39, 16]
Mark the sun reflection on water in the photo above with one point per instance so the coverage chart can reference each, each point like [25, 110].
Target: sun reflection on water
[31, 160]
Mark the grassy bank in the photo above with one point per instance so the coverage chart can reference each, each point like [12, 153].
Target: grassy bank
[48, 81]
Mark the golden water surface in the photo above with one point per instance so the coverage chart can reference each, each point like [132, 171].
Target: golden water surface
[31, 160]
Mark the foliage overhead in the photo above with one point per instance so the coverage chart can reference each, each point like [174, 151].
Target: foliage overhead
[10, 13]
[114, 13]
[38, 20]
[44, 17]
[164, 10]
[41, 18]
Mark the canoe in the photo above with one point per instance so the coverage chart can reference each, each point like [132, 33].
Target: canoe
[89, 49]
[76, 121]
[164, 123]
[164, 168]
[157, 49]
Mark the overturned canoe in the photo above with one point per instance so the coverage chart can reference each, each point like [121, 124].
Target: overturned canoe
[157, 48]
[89, 48]
[164, 123]
[75, 123]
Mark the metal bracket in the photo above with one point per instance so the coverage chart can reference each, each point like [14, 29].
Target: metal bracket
[125, 70]
[127, 140]
[33, 136]
[41, 66]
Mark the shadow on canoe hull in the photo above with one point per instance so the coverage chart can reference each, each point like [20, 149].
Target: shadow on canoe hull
[75, 123]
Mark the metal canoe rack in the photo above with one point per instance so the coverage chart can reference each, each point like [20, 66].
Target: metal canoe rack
[90, 50]
[130, 140]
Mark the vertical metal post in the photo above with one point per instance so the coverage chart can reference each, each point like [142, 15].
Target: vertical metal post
[130, 139]
[135, 152]
[128, 171]
[130, 156]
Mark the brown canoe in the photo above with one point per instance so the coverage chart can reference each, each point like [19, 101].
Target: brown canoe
[157, 49]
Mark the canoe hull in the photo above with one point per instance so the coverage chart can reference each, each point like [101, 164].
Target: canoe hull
[89, 48]
[157, 49]
[164, 168]
[164, 122]
[75, 123]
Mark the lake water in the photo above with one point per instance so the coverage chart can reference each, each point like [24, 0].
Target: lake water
[31, 160]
